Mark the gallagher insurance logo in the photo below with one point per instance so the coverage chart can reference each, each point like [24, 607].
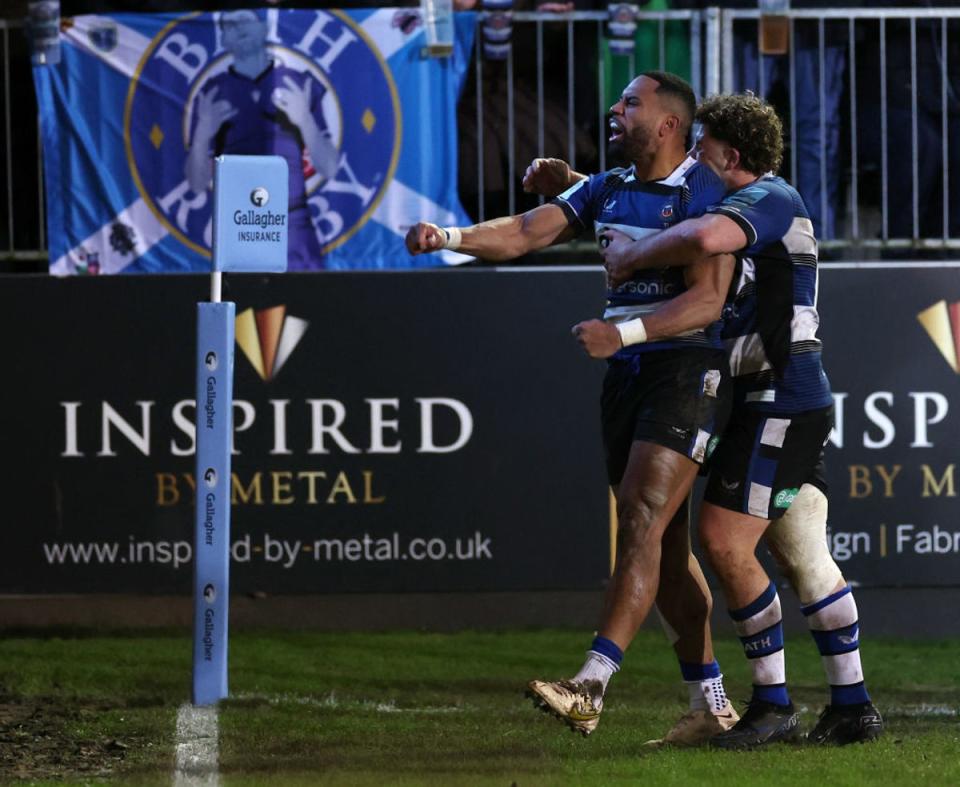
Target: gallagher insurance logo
[942, 324]
[268, 338]
[201, 89]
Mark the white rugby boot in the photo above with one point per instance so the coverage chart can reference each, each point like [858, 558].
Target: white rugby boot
[697, 727]
[576, 703]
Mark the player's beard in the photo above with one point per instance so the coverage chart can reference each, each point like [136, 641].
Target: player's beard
[631, 146]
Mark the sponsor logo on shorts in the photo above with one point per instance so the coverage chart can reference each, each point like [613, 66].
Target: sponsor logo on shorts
[729, 486]
[712, 445]
[784, 498]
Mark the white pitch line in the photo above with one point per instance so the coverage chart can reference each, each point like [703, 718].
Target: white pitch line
[923, 710]
[198, 747]
[332, 701]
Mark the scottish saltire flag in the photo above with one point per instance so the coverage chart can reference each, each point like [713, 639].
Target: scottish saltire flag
[140, 104]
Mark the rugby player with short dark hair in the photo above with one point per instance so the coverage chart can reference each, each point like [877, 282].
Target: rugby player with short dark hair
[663, 401]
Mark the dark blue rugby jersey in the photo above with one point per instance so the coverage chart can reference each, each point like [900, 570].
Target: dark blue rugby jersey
[770, 324]
[616, 199]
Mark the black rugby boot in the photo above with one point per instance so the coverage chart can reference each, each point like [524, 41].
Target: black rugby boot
[762, 723]
[843, 724]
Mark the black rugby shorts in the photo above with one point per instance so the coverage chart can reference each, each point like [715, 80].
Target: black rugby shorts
[763, 460]
[679, 399]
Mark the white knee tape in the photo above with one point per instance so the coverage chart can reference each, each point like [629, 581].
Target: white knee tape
[798, 541]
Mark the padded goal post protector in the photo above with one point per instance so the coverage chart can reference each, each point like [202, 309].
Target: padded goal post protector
[250, 216]
[215, 343]
[250, 231]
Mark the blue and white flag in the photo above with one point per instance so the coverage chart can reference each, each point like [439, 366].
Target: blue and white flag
[141, 103]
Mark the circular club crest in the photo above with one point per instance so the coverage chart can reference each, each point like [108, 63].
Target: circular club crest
[186, 84]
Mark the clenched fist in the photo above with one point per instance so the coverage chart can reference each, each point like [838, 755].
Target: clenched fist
[424, 237]
[598, 338]
[548, 177]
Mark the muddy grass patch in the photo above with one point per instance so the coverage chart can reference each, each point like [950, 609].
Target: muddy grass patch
[43, 738]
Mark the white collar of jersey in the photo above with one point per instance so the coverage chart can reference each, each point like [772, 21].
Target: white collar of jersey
[676, 177]
[673, 179]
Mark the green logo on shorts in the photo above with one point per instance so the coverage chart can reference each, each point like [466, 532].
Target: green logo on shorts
[712, 445]
[784, 498]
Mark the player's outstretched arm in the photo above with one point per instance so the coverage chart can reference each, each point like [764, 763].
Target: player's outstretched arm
[550, 177]
[683, 244]
[496, 240]
[701, 304]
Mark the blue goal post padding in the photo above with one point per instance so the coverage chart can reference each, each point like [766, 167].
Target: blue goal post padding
[215, 343]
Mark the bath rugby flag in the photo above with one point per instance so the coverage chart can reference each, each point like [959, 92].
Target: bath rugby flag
[141, 105]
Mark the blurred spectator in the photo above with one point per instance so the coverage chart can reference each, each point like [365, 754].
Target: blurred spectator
[495, 130]
[675, 57]
[815, 155]
[930, 61]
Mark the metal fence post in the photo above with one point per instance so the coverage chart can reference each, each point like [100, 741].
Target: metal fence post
[712, 51]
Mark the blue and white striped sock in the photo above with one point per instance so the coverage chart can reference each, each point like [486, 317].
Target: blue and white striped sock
[836, 630]
[603, 659]
[760, 628]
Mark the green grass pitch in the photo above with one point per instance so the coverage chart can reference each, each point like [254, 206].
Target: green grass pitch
[438, 709]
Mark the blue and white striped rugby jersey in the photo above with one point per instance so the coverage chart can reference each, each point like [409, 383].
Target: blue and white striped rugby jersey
[616, 199]
[770, 324]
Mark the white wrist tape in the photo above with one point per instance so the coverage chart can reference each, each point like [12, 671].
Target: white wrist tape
[632, 332]
[454, 238]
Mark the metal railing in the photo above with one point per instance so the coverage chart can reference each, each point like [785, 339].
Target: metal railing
[22, 223]
[862, 120]
[871, 116]
[582, 78]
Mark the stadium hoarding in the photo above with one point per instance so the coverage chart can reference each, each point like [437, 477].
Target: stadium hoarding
[419, 431]
[891, 334]
[416, 431]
